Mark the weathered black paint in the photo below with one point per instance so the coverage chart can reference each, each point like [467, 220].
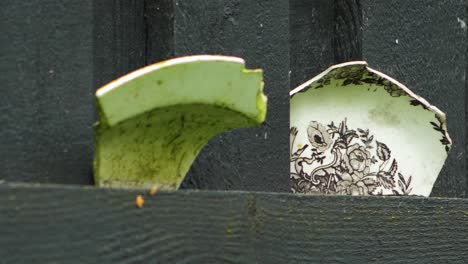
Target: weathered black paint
[159, 26]
[87, 225]
[421, 44]
[258, 31]
[347, 21]
[466, 92]
[56, 53]
[119, 39]
[46, 101]
[311, 33]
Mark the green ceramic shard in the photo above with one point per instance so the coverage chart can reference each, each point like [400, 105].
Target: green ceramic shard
[153, 122]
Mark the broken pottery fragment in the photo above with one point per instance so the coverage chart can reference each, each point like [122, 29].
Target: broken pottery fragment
[357, 131]
[153, 122]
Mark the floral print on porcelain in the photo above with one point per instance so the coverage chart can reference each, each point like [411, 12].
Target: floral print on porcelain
[360, 164]
[356, 131]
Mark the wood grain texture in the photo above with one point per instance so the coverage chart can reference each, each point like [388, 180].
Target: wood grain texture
[466, 88]
[258, 31]
[84, 225]
[348, 30]
[119, 39]
[121, 36]
[311, 32]
[422, 44]
[159, 26]
[55, 53]
[47, 101]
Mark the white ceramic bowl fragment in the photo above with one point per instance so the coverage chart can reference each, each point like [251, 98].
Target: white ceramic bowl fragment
[357, 131]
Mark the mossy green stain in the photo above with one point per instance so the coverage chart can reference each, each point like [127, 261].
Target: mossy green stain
[162, 152]
[153, 138]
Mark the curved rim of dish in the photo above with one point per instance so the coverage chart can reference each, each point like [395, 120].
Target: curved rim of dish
[439, 114]
[163, 64]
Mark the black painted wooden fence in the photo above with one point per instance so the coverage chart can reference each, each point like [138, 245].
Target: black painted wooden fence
[56, 53]
[85, 225]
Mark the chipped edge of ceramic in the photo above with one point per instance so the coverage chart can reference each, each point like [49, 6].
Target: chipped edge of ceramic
[164, 64]
[410, 93]
[322, 74]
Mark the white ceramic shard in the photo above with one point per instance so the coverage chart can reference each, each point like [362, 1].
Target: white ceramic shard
[357, 131]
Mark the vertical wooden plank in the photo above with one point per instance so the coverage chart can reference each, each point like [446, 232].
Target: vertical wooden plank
[311, 38]
[463, 25]
[347, 44]
[159, 26]
[46, 112]
[423, 44]
[258, 31]
[119, 32]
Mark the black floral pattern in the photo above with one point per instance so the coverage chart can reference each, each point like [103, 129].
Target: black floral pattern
[357, 75]
[440, 128]
[350, 158]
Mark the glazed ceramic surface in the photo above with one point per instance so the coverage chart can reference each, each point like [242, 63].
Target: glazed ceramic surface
[154, 121]
[357, 131]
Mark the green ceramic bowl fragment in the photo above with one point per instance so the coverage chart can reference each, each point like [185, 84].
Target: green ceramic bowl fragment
[154, 122]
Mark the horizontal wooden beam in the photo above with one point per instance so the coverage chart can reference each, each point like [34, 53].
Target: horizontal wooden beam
[56, 224]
